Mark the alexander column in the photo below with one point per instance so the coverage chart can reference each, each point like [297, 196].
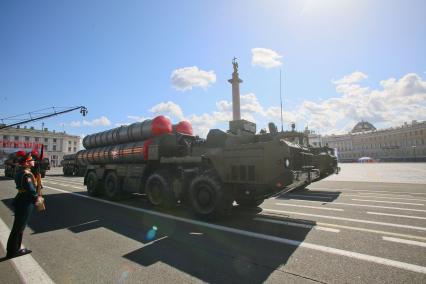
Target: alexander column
[235, 81]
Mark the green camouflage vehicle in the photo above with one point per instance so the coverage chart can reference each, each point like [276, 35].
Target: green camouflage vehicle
[207, 175]
[71, 166]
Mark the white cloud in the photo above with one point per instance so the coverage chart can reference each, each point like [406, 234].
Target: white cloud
[75, 123]
[355, 77]
[137, 118]
[102, 121]
[396, 101]
[186, 78]
[266, 58]
[168, 108]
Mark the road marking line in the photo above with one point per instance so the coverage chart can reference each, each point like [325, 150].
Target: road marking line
[68, 185]
[318, 195]
[395, 215]
[311, 192]
[360, 205]
[67, 178]
[402, 241]
[382, 194]
[78, 187]
[350, 254]
[371, 231]
[305, 206]
[65, 181]
[392, 198]
[392, 202]
[350, 219]
[363, 190]
[27, 268]
[305, 226]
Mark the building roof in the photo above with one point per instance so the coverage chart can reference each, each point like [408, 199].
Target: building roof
[363, 126]
[35, 132]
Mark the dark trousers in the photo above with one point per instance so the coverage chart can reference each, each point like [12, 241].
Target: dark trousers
[24, 205]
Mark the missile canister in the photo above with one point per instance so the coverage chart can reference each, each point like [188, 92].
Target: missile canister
[69, 157]
[134, 132]
[133, 152]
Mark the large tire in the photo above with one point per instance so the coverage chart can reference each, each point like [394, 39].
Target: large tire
[248, 203]
[93, 184]
[112, 187]
[208, 198]
[159, 189]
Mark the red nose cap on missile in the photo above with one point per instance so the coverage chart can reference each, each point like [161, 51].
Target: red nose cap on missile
[184, 127]
[161, 125]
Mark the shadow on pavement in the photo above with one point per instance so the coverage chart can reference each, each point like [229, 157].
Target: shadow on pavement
[206, 253]
[311, 195]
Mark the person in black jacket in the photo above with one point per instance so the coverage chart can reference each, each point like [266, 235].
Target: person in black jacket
[23, 204]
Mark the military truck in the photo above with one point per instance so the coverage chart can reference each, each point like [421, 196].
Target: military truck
[71, 166]
[207, 175]
[11, 165]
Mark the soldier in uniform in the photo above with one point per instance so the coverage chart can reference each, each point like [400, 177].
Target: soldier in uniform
[23, 204]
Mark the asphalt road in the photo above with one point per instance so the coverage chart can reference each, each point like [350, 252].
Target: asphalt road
[335, 232]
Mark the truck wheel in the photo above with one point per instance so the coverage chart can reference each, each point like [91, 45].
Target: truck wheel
[208, 199]
[159, 190]
[93, 185]
[248, 203]
[113, 190]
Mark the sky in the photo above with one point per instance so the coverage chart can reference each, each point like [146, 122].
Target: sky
[342, 61]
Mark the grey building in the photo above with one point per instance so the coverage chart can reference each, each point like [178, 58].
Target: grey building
[56, 144]
[402, 143]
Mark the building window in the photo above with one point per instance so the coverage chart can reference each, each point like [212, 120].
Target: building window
[75, 149]
[16, 138]
[27, 138]
[36, 139]
[54, 139]
[46, 140]
[69, 149]
[69, 142]
[75, 143]
[5, 137]
[54, 148]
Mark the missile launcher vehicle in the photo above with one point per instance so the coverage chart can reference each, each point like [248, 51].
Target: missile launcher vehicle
[71, 166]
[207, 175]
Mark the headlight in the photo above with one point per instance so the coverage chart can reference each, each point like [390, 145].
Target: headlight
[287, 163]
